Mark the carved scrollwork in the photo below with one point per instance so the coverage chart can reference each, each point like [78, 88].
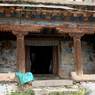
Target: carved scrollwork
[76, 35]
[20, 34]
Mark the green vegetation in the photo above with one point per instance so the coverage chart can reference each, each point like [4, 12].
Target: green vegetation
[80, 92]
[31, 92]
[27, 92]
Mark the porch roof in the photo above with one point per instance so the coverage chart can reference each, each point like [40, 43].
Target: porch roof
[62, 2]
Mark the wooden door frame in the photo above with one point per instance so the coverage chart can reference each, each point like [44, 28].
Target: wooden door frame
[55, 60]
[55, 57]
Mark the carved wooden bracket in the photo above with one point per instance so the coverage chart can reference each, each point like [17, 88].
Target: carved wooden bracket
[20, 35]
[76, 35]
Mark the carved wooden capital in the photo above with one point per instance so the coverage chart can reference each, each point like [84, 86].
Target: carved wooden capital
[20, 35]
[76, 35]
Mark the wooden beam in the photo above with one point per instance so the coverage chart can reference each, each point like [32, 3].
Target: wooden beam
[87, 29]
[20, 28]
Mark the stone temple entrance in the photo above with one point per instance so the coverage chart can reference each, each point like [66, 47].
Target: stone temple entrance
[41, 58]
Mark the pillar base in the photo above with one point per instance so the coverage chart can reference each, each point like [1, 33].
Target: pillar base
[84, 77]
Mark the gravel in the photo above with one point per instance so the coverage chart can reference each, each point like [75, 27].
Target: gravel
[89, 86]
[6, 88]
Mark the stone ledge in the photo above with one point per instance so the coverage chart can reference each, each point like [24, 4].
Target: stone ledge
[7, 76]
[84, 77]
[50, 83]
[54, 90]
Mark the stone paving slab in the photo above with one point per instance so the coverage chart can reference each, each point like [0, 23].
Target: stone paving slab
[68, 86]
[47, 90]
[49, 83]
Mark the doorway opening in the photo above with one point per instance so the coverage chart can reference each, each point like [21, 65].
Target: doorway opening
[41, 58]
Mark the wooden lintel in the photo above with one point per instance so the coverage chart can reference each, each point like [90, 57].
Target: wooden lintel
[81, 30]
[20, 28]
[37, 28]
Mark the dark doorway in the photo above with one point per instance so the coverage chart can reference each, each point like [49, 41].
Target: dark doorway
[41, 59]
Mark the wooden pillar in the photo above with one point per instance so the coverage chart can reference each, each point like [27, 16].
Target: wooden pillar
[77, 53]
[55, 60]
[20, 51]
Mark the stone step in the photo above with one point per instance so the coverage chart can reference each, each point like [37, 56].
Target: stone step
[47, 90]
[51, 83]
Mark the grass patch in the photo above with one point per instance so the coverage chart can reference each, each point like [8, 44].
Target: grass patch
[27, 92]
[80, 92]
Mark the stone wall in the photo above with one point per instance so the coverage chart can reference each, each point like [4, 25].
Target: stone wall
[67, 59]
[67, 64]
[7, 56]
[88, 55]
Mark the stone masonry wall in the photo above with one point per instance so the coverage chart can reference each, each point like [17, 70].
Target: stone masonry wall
[67, 59]
[7, 56]
[88, 55]
[67, 64]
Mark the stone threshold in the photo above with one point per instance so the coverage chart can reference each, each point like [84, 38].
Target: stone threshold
[84, 77]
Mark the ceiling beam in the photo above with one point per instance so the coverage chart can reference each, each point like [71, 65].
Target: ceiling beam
[38, 28]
